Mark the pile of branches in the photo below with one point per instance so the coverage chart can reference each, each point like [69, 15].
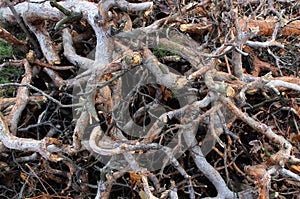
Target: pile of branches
[212, 108]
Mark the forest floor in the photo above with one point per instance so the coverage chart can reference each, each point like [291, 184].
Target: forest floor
[150, 99]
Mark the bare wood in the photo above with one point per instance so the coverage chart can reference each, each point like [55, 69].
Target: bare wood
[45, 42]
[57, 80]
[195, 28]
[5, 102]
[104, 6]
[22, 99]
[70, 53]
[24, 144]
[267, 27]
[52, 66]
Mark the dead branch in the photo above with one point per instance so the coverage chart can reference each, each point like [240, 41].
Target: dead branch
[6, 102]
[70, 52]
[43, 147]
[184, 101]
[22, 99]
[267, 27]
[20, 45]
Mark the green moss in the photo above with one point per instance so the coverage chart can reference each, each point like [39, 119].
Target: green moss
[127, 59]
[6, 50]
[161, 51]
[9, 74]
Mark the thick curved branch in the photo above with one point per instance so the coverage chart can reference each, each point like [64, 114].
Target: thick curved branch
[212, 174]
[22, 99]
[70, 53]
[26, 144]
[104, 7]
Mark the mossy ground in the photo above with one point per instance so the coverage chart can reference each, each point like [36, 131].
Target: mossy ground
[8, 73]
[6, 50]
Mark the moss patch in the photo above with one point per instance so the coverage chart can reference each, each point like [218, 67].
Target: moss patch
[161, 51]
[6, 50]
[8, 73]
